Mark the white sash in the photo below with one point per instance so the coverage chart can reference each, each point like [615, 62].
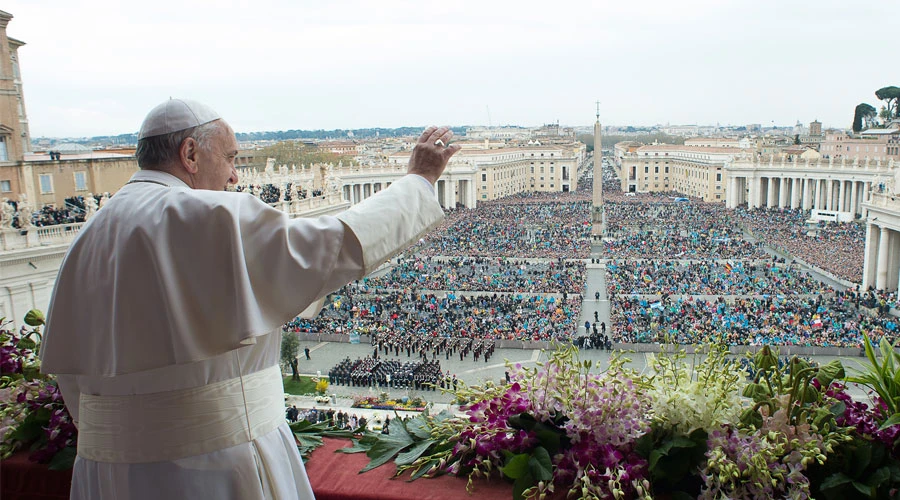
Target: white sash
[166, 426]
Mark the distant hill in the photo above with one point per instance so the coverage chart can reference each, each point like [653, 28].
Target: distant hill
[280, 135]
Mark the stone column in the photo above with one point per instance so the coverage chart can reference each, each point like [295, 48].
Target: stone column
[796, 191]
[782, 192]
[883, 249]
[853, 191]
[731, 195]
[806, 203]
[770, 193]
[870, 257]
[829, 199]
[841, 198]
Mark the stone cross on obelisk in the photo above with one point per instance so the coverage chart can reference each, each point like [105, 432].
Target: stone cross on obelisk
[597, 208]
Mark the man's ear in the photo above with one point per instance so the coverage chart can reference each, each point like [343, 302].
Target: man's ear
[187, 154]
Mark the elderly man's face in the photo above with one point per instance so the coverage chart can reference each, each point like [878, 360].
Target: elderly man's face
[216, 162]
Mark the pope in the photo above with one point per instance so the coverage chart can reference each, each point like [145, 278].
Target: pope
[164, 325]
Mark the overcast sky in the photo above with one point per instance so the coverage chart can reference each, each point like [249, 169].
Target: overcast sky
[96, 67]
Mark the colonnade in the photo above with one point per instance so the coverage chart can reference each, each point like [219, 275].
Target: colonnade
[807, 193]
[449, 192]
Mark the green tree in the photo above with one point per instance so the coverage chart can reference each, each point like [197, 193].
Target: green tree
[862, 116]
[884, 114]
[891, 97]
[297, 153]
[290, 350]
[587, 140]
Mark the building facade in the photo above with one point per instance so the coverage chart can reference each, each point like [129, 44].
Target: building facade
[15, 139]
[875, 144]
[692, 170]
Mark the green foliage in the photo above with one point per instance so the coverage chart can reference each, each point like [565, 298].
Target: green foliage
[309, 435]
[674, 460]
[862, 115]
[407, 444]
[290, 348]
[791, 390]
[891, 96]
[882, 376]
[856, 469]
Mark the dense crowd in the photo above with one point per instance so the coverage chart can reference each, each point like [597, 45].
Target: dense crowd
[509, 316]
[695, 245]
[835, 247]
[627, 217]
[770, 277]
[828, 321]
[498, 274]
[533, 230]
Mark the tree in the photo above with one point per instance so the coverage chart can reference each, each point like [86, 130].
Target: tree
[891, 96]
[587, 140]
[290, 350]
[796, 139]
[863, 115]
[884, 114]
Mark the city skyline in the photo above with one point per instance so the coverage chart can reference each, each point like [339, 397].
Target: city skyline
[95, 68]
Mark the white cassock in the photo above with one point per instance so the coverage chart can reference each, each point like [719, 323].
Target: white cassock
[164, 331]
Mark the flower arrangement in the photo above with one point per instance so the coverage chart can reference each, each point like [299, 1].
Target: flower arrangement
[324, 400]
[385, 403]
[693, 427]
[32, 413]
[321, 385]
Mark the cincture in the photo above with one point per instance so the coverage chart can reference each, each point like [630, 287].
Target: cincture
[170, 425]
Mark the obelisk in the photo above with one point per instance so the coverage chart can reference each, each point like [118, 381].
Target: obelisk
[597, 208]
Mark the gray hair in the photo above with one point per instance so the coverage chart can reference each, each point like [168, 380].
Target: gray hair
[161, 150]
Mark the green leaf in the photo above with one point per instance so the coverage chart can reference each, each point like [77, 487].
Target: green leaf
[879, 477]
[550, 439]
[387, 447]
[418, 427]
[830, 372]
[864, 489]
[756, 392]
[835, 480]
[520, 485]
[655, 455]
[862, 457]
[522, 421]
[516, 467]
[413, 453]
[364, 444]
[64, 459]
[893, 420]
[34, 318]
[309, 440]
[540, 466]
[424, 469]
[26, 343]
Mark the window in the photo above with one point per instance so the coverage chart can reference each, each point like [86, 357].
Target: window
[656, 169]
[5, 186]
[46, 184]
[551, 169]
[718, 177]
[646, 169]
[4, 156]
[80, 181]
[483, 177]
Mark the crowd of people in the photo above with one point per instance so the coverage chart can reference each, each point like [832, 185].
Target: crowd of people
[480, 316]
[834, 247]
[824, 320]
[529, 230]
[639, 215]
[766, 277]
[488, 274]
[668, 245]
